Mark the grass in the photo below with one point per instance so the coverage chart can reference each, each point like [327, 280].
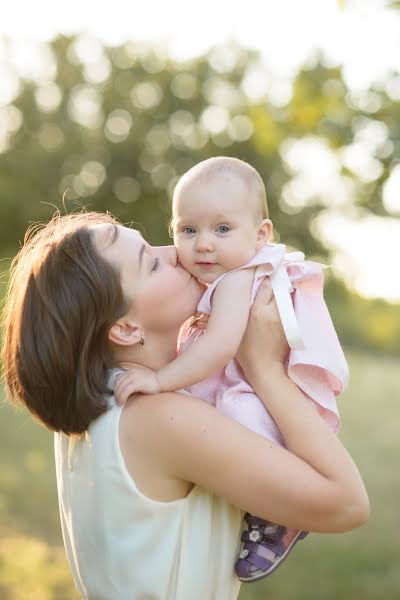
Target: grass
[360, 565]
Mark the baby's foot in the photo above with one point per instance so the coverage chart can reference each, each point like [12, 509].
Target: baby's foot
[265, 546]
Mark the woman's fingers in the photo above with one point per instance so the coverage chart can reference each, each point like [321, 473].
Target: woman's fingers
[264, 341]
[264, 306]
[265, 293]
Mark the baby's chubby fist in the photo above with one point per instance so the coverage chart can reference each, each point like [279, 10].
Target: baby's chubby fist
[136, 379]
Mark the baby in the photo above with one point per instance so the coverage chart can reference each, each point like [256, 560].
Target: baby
[222, 234]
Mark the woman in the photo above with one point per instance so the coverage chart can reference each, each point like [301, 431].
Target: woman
[151, 494]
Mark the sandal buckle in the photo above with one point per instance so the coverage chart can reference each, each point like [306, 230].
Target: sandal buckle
[255, 536]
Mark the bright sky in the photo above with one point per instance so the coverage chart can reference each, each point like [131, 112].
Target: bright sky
[364, 37]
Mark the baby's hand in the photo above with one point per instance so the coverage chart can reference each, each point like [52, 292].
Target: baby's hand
[137, 379]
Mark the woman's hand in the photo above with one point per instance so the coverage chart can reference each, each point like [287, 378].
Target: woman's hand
[264, 344]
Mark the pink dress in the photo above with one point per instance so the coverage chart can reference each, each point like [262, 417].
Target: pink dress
[316, 362]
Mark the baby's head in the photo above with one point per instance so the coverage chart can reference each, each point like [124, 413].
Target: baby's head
[219, 217]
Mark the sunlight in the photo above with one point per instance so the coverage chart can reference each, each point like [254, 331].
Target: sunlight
[284, 45]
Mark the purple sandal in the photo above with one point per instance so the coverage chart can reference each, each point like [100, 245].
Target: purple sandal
[265, 546]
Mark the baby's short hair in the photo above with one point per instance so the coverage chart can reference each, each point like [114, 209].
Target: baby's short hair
[225, 166]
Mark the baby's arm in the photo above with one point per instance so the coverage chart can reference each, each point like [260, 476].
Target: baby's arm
[219, 343]
[209, 353]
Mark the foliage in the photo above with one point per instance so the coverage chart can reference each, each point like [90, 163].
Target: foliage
[43, 567]
[361, 323]
[113, 128]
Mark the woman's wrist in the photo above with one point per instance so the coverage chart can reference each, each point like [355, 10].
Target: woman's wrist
[263, 376]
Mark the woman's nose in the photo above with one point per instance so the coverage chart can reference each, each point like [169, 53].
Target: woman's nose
[168, 253]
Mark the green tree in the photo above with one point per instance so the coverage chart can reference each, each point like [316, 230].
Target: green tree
[114, 128]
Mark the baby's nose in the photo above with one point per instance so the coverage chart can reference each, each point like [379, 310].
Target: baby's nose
[204, 243]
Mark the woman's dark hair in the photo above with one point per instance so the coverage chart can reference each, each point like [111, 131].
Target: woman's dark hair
[61, 301]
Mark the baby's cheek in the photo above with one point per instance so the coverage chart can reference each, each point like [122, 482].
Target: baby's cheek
[183, 255]
[242, 253]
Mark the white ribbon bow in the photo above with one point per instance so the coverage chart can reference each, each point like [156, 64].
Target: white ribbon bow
[282, 288]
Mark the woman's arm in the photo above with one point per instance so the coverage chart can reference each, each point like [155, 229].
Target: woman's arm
[314, 486]
[209, 353]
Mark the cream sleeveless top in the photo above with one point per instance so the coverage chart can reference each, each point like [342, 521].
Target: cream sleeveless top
[122, 545]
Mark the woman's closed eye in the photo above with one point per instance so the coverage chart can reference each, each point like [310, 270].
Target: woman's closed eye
[156, 264]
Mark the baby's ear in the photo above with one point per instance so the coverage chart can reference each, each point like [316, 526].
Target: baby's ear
[264, 233]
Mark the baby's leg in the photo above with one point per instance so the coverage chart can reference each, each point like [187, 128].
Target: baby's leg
[265, 545]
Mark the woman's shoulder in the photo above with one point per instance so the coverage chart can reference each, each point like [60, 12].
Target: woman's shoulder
[147, 437]
[160, 408]
[166, 425]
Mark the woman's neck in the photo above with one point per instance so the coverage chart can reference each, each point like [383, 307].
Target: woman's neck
[157, 351]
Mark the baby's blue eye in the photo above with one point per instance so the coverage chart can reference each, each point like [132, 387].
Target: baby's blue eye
[223, 229]
[188, 230]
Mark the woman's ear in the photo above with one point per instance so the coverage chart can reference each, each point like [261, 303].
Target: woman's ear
[264, 233]
[125, 333]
